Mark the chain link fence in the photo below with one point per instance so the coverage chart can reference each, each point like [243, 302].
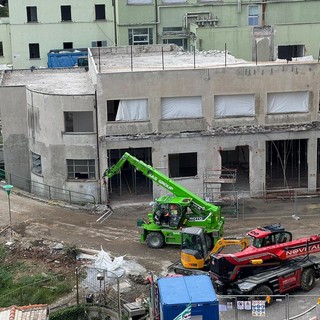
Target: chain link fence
[283, 307]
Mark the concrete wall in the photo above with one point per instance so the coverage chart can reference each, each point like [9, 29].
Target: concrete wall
[6, 41]
[294, 22]
[208, 135]
[15, 130]
[81, 31]
[47, 137]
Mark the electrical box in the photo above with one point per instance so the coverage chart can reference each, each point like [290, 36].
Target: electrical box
[175, 294]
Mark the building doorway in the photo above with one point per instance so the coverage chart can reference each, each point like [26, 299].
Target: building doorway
[130, 182]
[286, 164]
[237, 159]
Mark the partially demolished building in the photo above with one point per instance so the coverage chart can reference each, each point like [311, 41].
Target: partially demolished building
[186, 114]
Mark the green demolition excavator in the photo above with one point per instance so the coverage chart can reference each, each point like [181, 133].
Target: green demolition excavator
[173, 212]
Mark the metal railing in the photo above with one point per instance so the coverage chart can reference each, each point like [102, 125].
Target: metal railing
[46, 191]
[293, 203]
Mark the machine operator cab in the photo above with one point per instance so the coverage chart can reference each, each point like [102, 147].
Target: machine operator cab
[194, 250]
[171, 211]
[269, 235]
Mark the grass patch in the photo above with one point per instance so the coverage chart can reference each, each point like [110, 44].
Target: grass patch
[24, 282]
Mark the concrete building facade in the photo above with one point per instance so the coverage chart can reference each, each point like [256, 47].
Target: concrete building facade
[65, 128]
[263, 31]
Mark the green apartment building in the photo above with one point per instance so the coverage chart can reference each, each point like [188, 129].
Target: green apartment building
[261, 30]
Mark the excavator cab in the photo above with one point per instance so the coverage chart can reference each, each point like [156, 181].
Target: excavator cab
[269, 235]
[194, 250]
[170, 211]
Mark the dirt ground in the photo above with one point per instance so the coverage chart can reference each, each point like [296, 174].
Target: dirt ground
[118, 235]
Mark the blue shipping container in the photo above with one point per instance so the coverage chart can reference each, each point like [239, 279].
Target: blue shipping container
[175, 293]
[65, 59]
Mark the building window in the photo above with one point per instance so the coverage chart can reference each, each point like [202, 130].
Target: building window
[81, 169]
[65, 13]
[36, 163]
[253, 15]
[80, 121]
[100, 12]
[67, 45]
[181, 107]
[32, 14]
[242, 105]
[1, 49]
[291, 51]
[183, 165]
[183, 43]
[99, 44]
[288, 102]
[140, 36]
[140, 1]
[127, 110]
[34, 51]
[174, 1]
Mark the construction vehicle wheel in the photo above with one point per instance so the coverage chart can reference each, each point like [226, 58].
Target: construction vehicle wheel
[209, 241]
[308, 279]
[155, 240]
[265, 291]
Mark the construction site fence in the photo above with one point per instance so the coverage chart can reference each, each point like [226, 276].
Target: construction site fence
[294, 203]
[283, 307]
[46, 191]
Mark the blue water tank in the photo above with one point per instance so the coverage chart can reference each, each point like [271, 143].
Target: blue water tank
[175, 293]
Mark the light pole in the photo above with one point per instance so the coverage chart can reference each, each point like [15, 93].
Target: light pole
[8, 188]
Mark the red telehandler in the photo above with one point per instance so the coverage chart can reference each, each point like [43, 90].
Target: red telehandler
[273, 264]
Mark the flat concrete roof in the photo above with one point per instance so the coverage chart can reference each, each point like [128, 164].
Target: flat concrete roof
[168, 57]
[51, 81]
[157, 58]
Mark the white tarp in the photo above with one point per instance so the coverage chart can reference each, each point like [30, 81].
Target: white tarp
[182, 107]
[130, 110]
[286, 102]
[234, 105]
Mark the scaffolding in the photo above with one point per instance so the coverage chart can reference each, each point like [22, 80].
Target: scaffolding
[212, 181]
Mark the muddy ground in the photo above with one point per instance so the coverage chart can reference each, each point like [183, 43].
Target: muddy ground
[118, 235]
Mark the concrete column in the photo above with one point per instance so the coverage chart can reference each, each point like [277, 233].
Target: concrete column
[312, 163]
[257, 167]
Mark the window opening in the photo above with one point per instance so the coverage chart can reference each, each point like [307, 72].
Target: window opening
[79, 121]
[181, 42]
[65, 13]
[100, 12]
[112, 109]
[140, 1]
[68, 45]
[36, 163]
[81, 169]
[34, 51]
[1, 49]
[140, 36]
[183, 165]
[32, 14]
[290, 51]
[253, 15]
[99, 43]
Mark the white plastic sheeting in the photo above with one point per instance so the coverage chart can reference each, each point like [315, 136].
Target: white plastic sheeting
[286, 102]
[132, 110]
[182, 107]
[234, 105]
